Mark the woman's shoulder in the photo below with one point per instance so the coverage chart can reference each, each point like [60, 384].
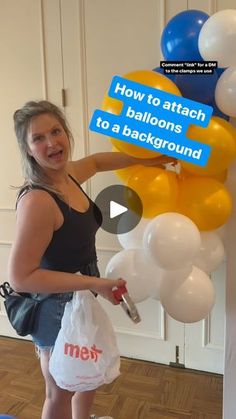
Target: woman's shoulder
[82, 169]
[36, 216]
[37, 206]
[35, 197]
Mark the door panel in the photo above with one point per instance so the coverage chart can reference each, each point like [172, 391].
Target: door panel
[25, 75]
[204, 341]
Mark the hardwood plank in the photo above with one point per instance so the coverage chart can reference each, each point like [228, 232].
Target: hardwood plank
[144, 390]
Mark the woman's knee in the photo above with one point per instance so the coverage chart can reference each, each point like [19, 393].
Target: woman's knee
[58, 395]
[52, 390]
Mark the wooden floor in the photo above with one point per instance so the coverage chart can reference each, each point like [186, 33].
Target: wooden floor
[143, 391]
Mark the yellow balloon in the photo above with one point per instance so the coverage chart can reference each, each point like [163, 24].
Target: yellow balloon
[205, 201]
[124, 174]
[221, 136]
[157, 189]
[133, 150]
[149, 78]
[184, 174]
[221, 177]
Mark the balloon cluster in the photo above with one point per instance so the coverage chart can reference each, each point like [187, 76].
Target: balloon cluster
[171, 256]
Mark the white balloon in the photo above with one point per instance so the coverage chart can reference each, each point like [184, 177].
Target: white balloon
[177, 276]
[141, 278]
[217, 38]
[221, 232]
[149, 270]
[211, 253]
[172, 240]
[225, 92]
[190, 301]
[134, 238]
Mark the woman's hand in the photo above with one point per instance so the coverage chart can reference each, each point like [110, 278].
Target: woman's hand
[160, 161]
[105, 287]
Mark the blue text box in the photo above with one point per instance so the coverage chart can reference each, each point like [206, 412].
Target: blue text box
[154, 119]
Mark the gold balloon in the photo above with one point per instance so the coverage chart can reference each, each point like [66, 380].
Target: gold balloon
[148, 78]
[184, 174]
[124, 174]
[221, 136]
[221, 177]
[205, 201]
[157, 189]
[114, 149]
[133, 150]
[153, 79]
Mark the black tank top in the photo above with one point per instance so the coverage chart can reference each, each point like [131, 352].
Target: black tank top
[73, 244]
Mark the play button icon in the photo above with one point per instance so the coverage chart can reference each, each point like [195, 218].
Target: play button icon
[121, 208]
[116, 209]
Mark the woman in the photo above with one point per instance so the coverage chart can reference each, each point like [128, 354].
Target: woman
[55, 235]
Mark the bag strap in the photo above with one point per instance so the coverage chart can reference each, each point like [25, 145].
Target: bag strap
[5, 289]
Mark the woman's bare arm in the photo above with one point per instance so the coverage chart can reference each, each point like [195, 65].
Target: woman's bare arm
[87, 167]
[34, 230]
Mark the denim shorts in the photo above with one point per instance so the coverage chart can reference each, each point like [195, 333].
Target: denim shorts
[48, 321]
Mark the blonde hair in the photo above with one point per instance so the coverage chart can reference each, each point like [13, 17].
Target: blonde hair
[33, 173]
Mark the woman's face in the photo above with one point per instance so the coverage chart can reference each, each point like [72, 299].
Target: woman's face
[48, 143]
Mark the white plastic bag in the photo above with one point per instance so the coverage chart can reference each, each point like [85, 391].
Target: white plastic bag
[85, 354]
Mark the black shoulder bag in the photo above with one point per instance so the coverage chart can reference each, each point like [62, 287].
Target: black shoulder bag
[21, 309]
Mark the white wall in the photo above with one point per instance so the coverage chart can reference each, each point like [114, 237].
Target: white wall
[230, 338]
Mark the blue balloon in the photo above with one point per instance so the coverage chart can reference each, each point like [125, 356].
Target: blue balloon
[179, 40]
[160, 70]
[199, 87]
